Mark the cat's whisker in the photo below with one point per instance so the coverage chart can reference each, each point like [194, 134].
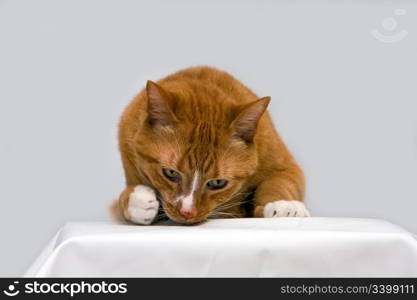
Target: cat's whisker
[224, 207]
[220, 213]
[215, 215]
[236, 195]
[229, 205]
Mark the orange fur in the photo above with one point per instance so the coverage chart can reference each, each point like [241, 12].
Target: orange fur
[203, 119]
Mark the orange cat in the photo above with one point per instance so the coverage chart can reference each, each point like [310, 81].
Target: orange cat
[198, 144]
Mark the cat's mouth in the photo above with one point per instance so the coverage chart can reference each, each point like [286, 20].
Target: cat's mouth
[182, 220]
[172, 212]
[175, 216]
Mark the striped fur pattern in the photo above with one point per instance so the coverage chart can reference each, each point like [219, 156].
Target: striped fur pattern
[200, 125]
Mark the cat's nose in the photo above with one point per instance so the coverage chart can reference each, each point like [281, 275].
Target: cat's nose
[189, 212]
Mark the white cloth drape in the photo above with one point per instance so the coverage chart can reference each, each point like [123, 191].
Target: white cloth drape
[278, 247]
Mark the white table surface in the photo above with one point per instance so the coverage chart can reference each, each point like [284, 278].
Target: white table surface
[279, 247]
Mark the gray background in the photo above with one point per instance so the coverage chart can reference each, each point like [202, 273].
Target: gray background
[345, 103]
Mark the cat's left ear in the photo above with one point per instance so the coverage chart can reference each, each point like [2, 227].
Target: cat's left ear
[245, 124]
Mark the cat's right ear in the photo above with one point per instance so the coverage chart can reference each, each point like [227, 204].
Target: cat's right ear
[159, 111]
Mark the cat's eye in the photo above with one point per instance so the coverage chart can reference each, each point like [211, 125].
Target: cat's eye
[216, 184]
[171, 174]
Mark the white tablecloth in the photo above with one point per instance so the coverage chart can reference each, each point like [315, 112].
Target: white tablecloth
[287, 247]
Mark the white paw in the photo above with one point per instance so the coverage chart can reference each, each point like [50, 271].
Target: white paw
[143, 205]
[285, 208]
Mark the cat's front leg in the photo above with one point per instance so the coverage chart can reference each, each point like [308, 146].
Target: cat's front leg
[281, 196]
[285, 208]
[139, 204]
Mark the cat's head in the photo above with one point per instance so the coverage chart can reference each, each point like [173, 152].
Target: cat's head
[197, 149]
